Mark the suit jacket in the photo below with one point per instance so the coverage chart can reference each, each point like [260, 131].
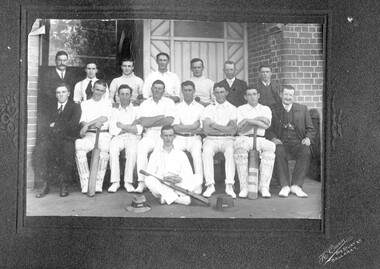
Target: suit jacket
[302, 122]
[50, 81]
[236, 92]
[66, 125]
[275, 89]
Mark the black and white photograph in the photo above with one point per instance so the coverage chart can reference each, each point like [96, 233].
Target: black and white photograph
[189, 134]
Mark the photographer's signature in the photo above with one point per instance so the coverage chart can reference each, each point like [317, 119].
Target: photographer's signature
[334, 253]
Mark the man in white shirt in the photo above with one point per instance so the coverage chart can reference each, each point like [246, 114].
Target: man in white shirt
[203, 86]
[128, 78]
[155, 112]
[250, 115]
[187, 126]
[96, 113]
[219, 124]
[171, 80]
[127, 135]
[173, 166]
[83, 89]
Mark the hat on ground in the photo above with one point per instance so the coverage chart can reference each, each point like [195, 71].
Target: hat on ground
[225, 203]
[138, 205]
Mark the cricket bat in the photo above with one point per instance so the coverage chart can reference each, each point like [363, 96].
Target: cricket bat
[174, 187]
[95, 157]
[253, 169]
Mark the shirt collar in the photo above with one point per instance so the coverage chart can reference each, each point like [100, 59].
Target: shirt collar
[59, 105]
[59, 72]
[231, 80]
[128, 106]
[129, 76]
[265, 83]
[287, 107]
[225, 104]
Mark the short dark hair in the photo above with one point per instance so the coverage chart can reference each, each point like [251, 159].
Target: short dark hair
[124, 86]
[128, 60]
[91, 62]
[60, 53]
[195, 60]
[167, 127]
[288, 87]
[101, 82]
[63, 84]
[252, 87]
[163, 54]
[188, 83]
[219, 85]
[229, 62]
[158, 81]
[265, 66]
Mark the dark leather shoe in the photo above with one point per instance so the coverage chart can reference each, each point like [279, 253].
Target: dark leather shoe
[44, 190]
[64, 191]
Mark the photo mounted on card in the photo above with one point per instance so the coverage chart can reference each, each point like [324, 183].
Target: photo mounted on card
[171, 114]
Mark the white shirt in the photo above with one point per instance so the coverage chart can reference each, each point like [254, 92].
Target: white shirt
[80, 90]
[92, 110]
[203, 88]
[171, 80]
[61, 73]
[287, 107]
[188, 114]
[149, 108]
[132, 81]
[125, 116]
[230, 81]
[61, 104]
[220, 114]
[248, 112]
[163, 163]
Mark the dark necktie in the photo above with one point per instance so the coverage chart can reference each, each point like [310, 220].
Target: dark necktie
[89, 90]
[62, 77]
[60, 109]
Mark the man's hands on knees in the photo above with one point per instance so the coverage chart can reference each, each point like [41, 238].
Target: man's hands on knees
[277, 141]
[173, 179]
[306, 142]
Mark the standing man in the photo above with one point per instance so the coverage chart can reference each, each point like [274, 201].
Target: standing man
[127, 135]
[171, 80]
[219, 124]
[203, 86]
[57, 149]
[96, 113]
[58, 75]
[292, 131]
[188, 127]
[235, 87]
[269, 91]
[173, 166]
[83, 89]
[250, 115]
[129, 78]
[155, 112]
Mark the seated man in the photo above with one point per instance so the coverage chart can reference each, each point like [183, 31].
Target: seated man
[58, 145]
[173, 166]
[155, 112]
[250, 115]
[127, 135]
[292, 131]
[219, 124]
[95, 115]
[187, 126]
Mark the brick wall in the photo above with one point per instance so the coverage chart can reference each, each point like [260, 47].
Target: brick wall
[33, 62]
[295, 53]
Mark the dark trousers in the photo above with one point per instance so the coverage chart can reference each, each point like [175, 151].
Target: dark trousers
[292, 151]
[54, 158]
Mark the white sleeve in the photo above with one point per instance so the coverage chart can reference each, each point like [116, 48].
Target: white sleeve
[77, 98]
[147, 87]
[112, 90]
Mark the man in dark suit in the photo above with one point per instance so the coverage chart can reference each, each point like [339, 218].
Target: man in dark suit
[53, 77]
[57, 148]
[292, 131]
[235, 87]
[269, 90]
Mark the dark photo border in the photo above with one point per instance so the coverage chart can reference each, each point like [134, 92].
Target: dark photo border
[346, 237]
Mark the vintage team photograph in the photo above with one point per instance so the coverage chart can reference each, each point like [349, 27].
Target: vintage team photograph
[159, 118]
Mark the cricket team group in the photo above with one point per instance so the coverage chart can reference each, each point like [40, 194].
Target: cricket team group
[155, 121]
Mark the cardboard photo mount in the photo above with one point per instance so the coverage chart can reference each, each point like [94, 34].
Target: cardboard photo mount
[346, 237]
